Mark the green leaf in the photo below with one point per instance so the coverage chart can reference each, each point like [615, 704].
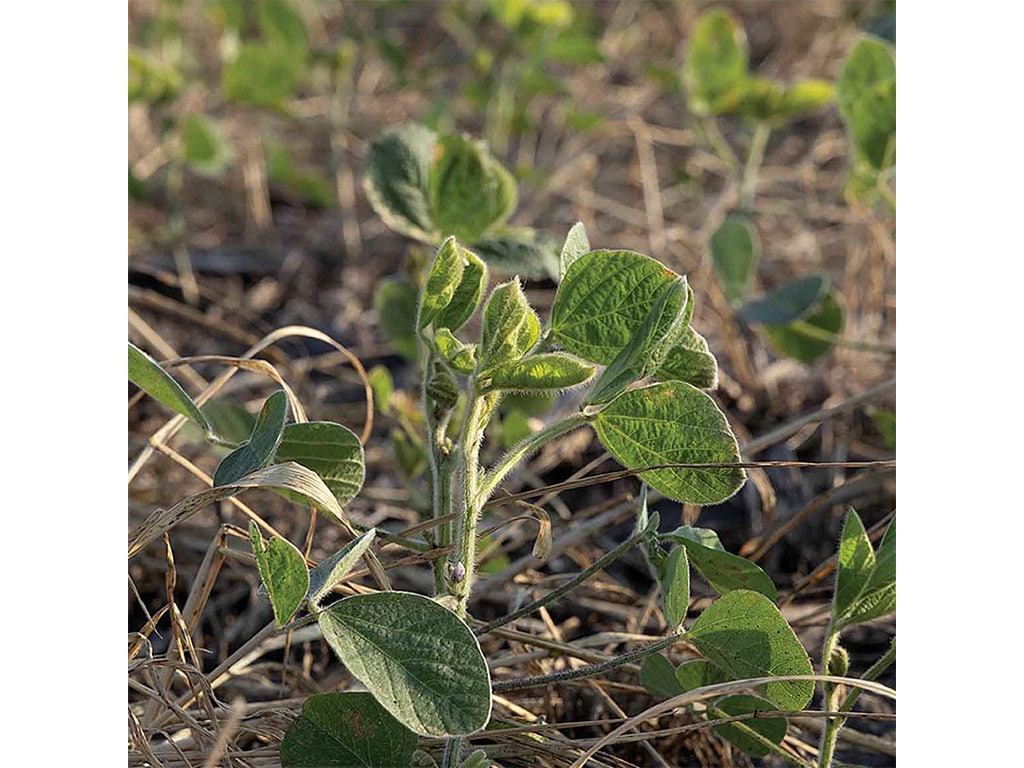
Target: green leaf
[648, 348]
[734, 256]
[515, 426]
[758, 98]
[282, 26]
[675, 588]
[230, 420]
[603, 300]
[716, 60]
[866, 93]
[743, 633]
[331, 571]
[699, 673]
[206, 149]
[262, 75]
[658, 676]
[396, 304]
[331, 450]
[724, 571]
[511, 327]
[444, 277]
[257, 450]
[146, 373]
[878, 598]
[671, 423]
[885, 559]
[804, 98]
[397, 181]
[691, 362]
[346, 730]
[383, 387]
[283, 570]
[791, 301]
[810, 337]
[854, 564]
[520, 251]
[885, 422]
[310, 186]
[537, 373]
[647, 524]
[459, 355]
[477, 759]
[470, 191]
[467, 294]
[576, 245]
[419, 659]
[771, 728]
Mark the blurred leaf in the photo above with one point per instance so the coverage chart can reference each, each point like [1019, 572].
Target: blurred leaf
[743, 633]
[335, 568]
[867, 100]
[771, 728]
[282, 26]
[136, 187]
[410, 457]
[145, 373]
[331, 450]
[530, 403]
[804, 98]
[206, 150]
[381, 639]
[150, 82]
[283, 571]
[885, 422]
[672, 423]
[470, 191]
[716, 60]
[262, 75]
[574, 46]
[582, 121]
[810, 337]
[255, 452]
[734, 256]
[311, 187]
[383, 386]
[520, 251]
[515, 426]
[396, 304]
[346, 730]
[791, 301]
[397, 181]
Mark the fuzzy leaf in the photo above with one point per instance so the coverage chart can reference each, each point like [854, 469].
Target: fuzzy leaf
[675, 588]
[724, 571]
[335, 568]
[331, 450]
[146, 373]
[346, 730]
[470, 191]
[283, 571]
[790, 302]
[442, 280]
[467, 295]
[670, 423]
[878, 598]
[419, 659]
[716, 60]
[396, 304]
[520, 251]
[537, 373]
[576, 245]
[854, 564]
[734, 256]
[771, 728]
[511, 327]
[744, 634]
[812, 336]
[691, 362]
[397, 181]
[259, 448]
[866, 92]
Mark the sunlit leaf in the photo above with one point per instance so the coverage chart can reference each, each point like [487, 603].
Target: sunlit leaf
[283, 571]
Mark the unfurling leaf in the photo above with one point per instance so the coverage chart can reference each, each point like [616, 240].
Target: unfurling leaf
[444, 277]
[467, 294]
[576, 245]
[538, 373]
[511, 327]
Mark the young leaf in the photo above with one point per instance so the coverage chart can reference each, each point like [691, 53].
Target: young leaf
[716, 60]
[511, 327]
[675, 588]
[647, 524]
[420, 660]
[282, 26]
[724, 571]
[331, 571]
[444, 277]
[867, 100]
[538, 373]
[206, 150]
[804, 98]
[658, 676]
[257, 450]
[812, 336]
[878, 598]
[744, 634]
[262, 75]
[854, 564]
[648, 348]
[383, 387]
[771, 728]
[397, 181]
[790, 302]
[734, 256]
[699, 673]
[672, 423]
[691, 362]
[396, 303]
[346, 730]
[331, 450]
[470, 191]
[576, 245]
[467, 294]
[520, 251]
[283, 571]
[885, 422]
[145, 373]
[603, 299]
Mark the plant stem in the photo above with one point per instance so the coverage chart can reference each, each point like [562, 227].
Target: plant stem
[452, 752]
[508, 462]
[441, 499]
[718, 143]
[872, 673]
[748, 184]
[570, 585]
[830, 733]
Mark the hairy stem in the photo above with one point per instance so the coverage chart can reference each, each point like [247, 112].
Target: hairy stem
[873, 673]
[830, 733]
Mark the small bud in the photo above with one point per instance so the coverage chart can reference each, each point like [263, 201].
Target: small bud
[838, 661]
[458, 573]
